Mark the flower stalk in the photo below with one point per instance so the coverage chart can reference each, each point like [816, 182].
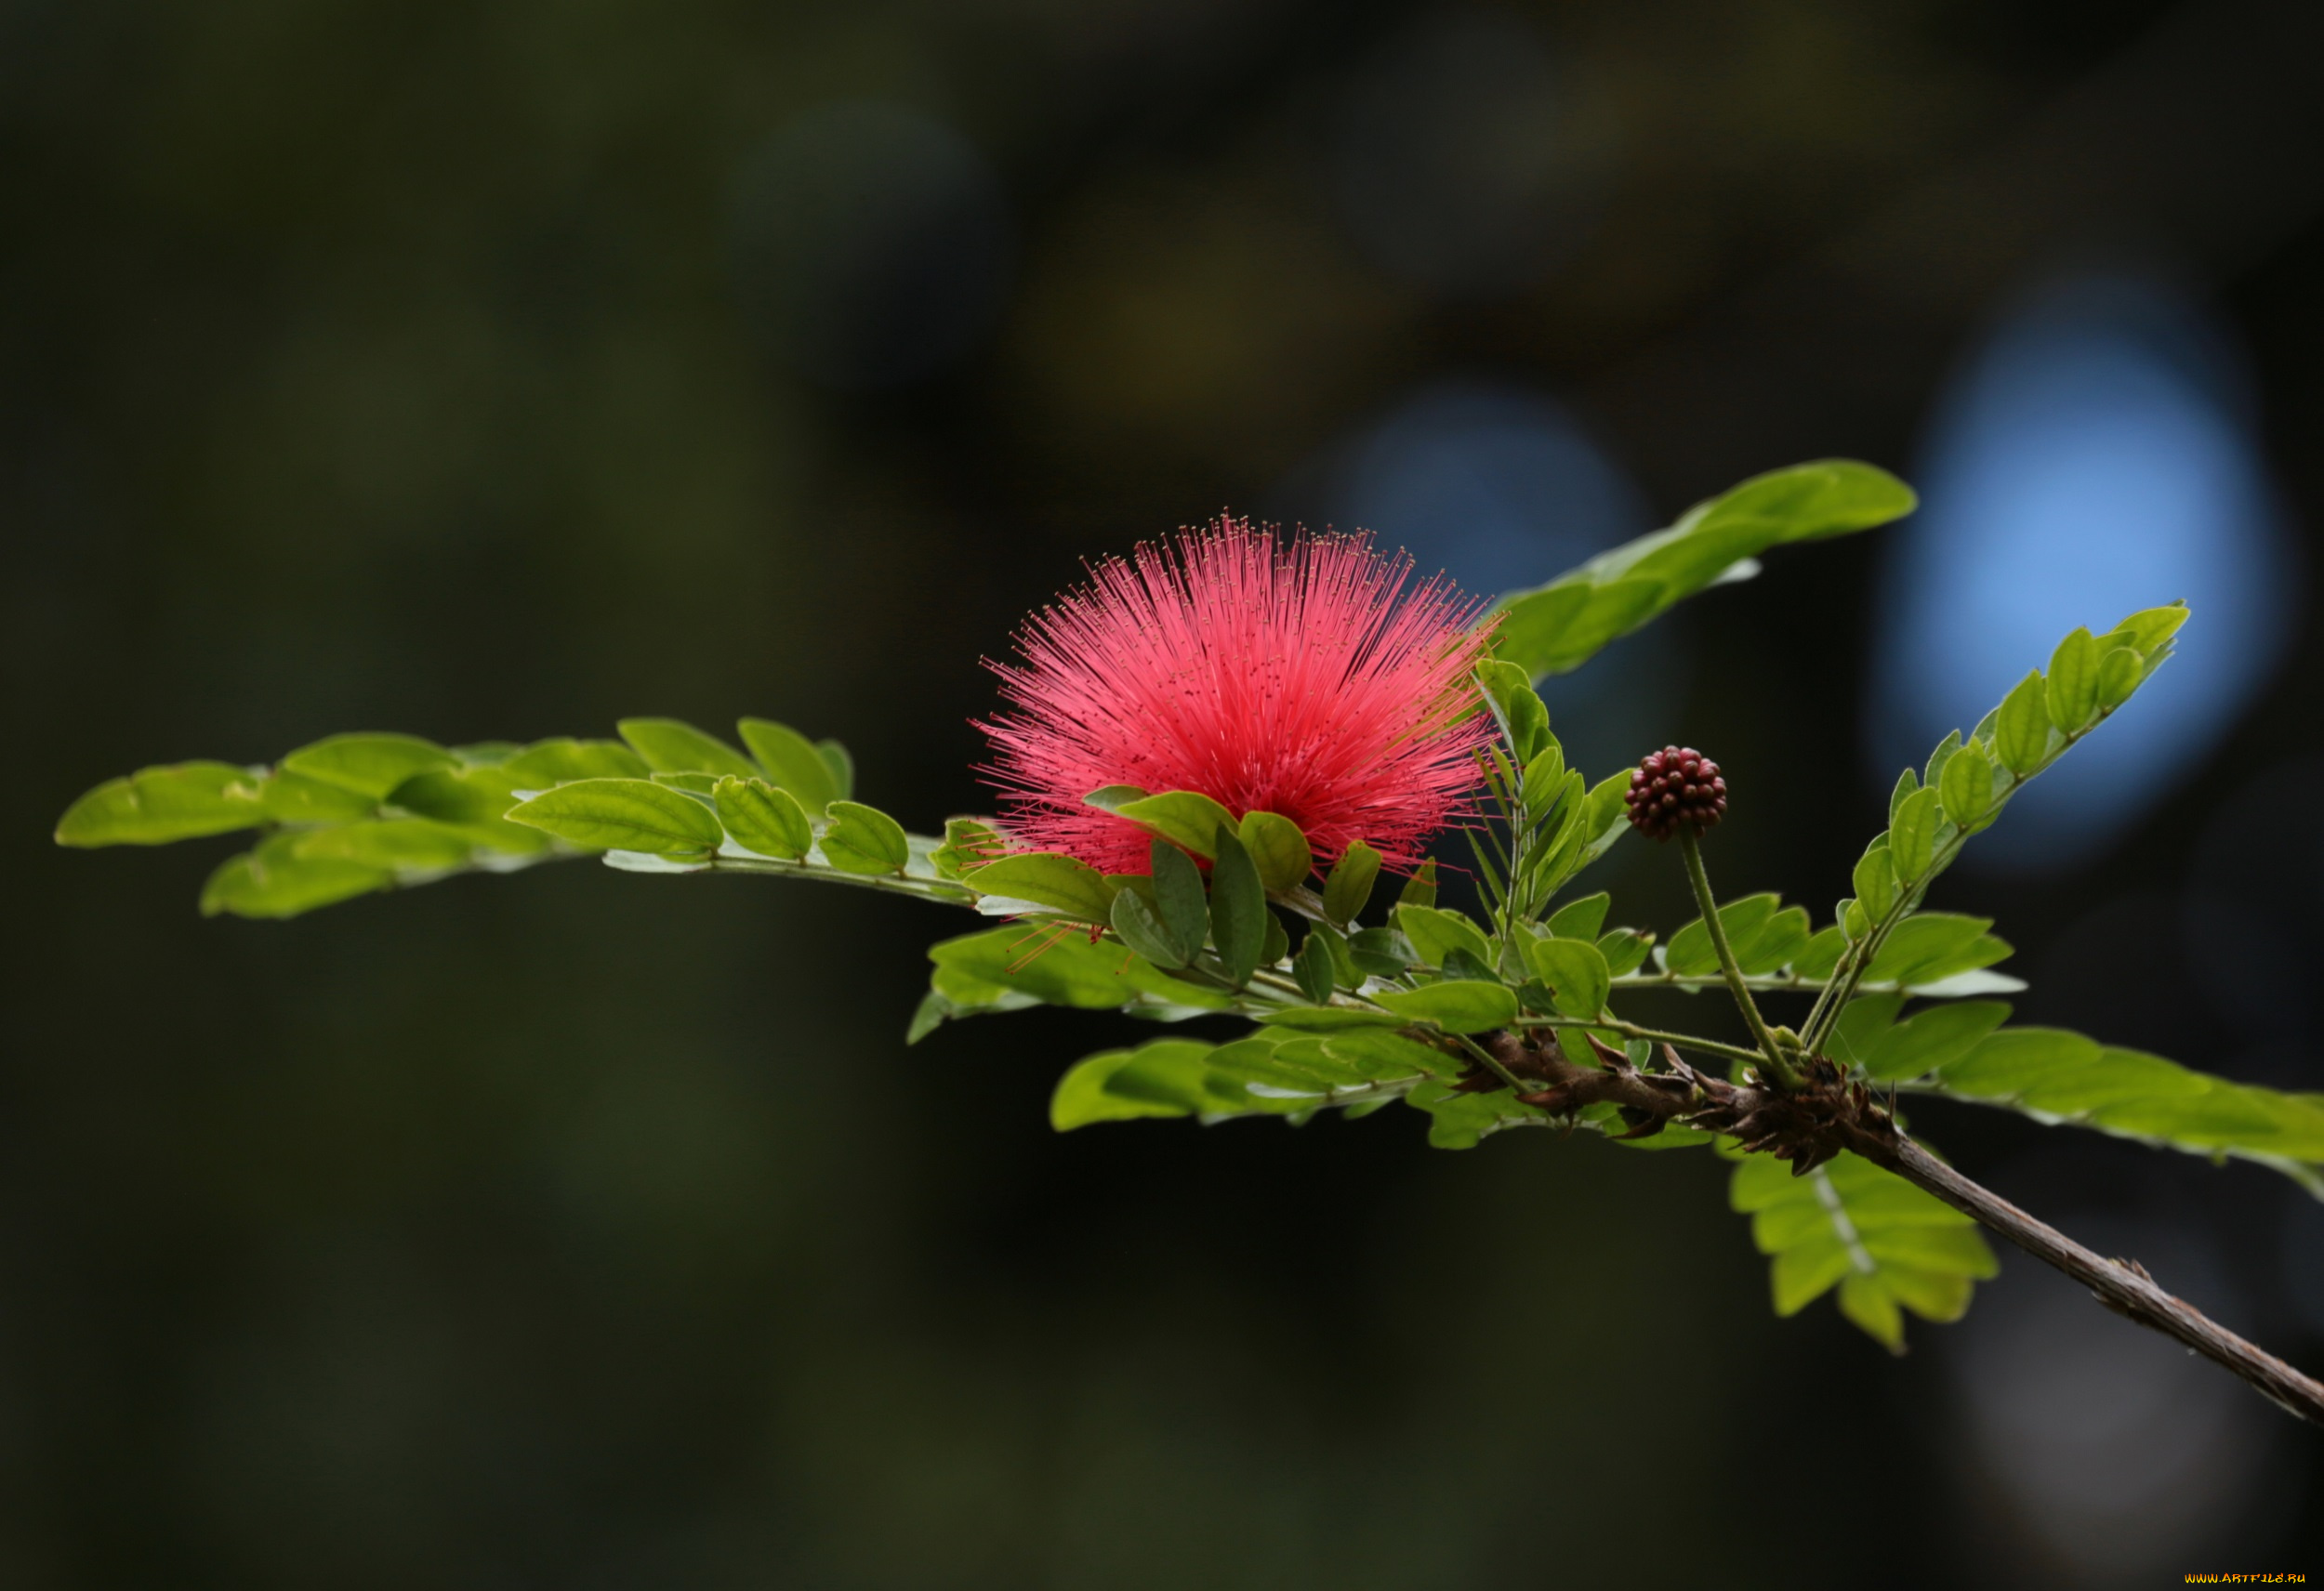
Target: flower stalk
[1781, 1070]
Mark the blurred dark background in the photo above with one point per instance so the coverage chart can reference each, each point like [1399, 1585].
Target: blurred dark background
[497, 372]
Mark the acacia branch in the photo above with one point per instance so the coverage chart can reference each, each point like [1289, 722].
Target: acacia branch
[2121, 1285]
[1830, 1113]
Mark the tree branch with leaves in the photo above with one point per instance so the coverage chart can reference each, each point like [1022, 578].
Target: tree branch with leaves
[1216, 758]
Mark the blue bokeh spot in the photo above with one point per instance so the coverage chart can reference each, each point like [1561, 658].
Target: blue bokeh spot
[2094, 458]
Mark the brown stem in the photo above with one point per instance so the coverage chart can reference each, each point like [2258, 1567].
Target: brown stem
[1830, 1113]
[2121, 1285]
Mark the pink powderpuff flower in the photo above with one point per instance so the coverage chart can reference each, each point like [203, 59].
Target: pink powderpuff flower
[1304, 680]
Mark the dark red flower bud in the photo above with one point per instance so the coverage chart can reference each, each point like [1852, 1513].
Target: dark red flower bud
[1675, 788]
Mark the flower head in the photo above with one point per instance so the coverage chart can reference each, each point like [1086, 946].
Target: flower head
[1310, 679]
[1675, 788]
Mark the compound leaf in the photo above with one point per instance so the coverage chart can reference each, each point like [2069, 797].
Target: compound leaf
[2057, 1076]
[1851, 1224]
[1559, 626]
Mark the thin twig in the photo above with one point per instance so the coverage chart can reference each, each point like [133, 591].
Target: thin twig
[2122, 1287]
[1778, 1066]
[1652, 1035]
[1492, 1062]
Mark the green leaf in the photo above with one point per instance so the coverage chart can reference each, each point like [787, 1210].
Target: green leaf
[1461, 1120]
[1855, 923]
[1315, 970]
[1576, 975]
[1524, 722]
[839, 765]
[691, 783]
[2072, 692]
[1582, 919]
[1906, 783]
[2119, 671]
[1267, 1073]
[1857, 1036]
[1349, 884]
[1435, 933]
[398, 845]
[927, 1016]
[1025, 964]
[1545, 778]
[1932, 1039]
[1967, 787]
[1044, 878]
[671, 746]
[1625, 950]
[1537, 626]
[1557, 627]
[762, 818]
[1820, 956]
[1277, 850]
[1178, 898]
[1912, 836]
[1276, 947]
[1343, 961]
[2149, 628]
[1773, 944]
[1329, 1019]
[1462, 1006]
[1139, 928]
[1932, 775]
[155, 806]
[865, 840]
[1875, 878]
[294, 798]
[1187, 817]
[469, 797]
[1238, 907]
[1385, 1057]
[1928, 946]
[792, 763]
[1851, 1224]
[968, 843]
[1691, 953]
[368, 764]
[1382, 952]
[2021, 734]
[273, 881]
[1420, 888]
[562, 761]
[624, 814]
[1164, 1079]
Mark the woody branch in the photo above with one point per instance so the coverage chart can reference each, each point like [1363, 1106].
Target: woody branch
[1828, 1114]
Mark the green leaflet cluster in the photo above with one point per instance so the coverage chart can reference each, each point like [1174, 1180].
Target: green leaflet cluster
[1558, 627]
[1887, 1247]
[357, 813]
[2057, 1076]
[1968, 783]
